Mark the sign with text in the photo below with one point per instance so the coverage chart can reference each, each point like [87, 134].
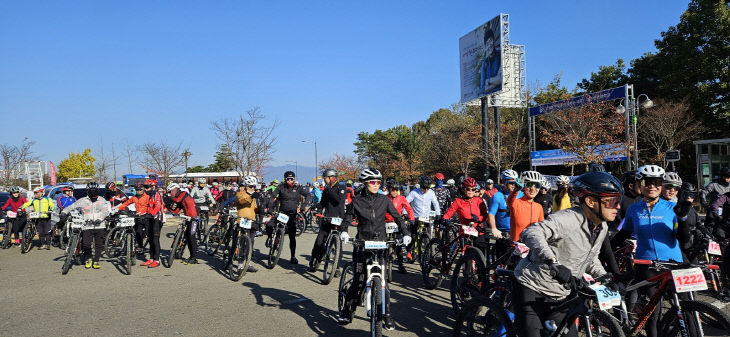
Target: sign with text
[672, 155]
[611, 152]
[594, 97]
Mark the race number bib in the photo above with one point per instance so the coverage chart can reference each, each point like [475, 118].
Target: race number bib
[424, 219]
[126, 222]
[245, 223]
[203, 208]
[607, 298]
[34, 215]
[376, 245]
[691, 279]
[336, 221]
[469, 230]
[282, 218]
[713, 248]
[233, 212]
[391, 227]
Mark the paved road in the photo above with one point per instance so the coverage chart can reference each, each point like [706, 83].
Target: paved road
[196, 300]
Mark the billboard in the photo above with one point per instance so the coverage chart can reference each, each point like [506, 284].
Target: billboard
[611, 152]
[480, 60]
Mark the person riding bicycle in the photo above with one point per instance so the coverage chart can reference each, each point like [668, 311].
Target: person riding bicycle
[369, 208]
[499, 217]
[44, 205]
[469, 208]
[141, 201]
[672, 183]
[422, 199]
[566, 243]
[289, 198]
[400, 203]
[187, 204]
[524, 211]
[562, 198]
[201, 194]
[94, 210]
[332, 205]
[155, 218]
[14, 205]
[114, 195]
[246, 208]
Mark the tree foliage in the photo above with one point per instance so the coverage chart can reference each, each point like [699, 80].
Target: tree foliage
[77, 165]
[223, 160]
[667, 126]
[251, 141]
[12, 157]
[162, 158]
[348, 167]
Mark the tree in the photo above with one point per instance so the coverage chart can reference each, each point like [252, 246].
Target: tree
[77, 165]
[607, 77]
[161, 158]
[13, 156]
[223, 160]
[198, 169]
[512, 148]
[251, 142]
[348, 167]
[667, 126]
[452, 142]
[394, 151]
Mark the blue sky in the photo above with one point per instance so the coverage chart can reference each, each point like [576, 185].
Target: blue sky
[74, 74]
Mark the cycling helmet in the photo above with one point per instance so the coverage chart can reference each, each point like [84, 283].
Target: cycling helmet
[649, 171]
[150, 182]
[38, 189]
[15, 189]
[289, 174]
[215, 183]
[563, 181]
[172, 187]
[490, 181]
[92, 185]
[297, 183]
[450, 182]
[110, 186]
[598, 184]
[67, 188]
[316, 184]
[369, 174]
[725, 172]
[546, 185]
[532, 176]
[330, 172]
[202, 180]
[392, 184]
[250, 181]
[425, 181]
[672, 178]
[439, 176]
[629, 177]
[688, 187]
[509, 175]
[596, 167]
[469, 183]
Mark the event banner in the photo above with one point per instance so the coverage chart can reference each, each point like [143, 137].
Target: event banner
[594, 97]
[480, 59]
[611, 152]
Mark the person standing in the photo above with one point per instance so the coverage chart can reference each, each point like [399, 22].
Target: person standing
[45, 206]
[94, 210]
[289, 197]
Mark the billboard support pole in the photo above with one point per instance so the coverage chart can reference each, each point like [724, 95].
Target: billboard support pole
[629, 89]
[485, 134]
[497, 128]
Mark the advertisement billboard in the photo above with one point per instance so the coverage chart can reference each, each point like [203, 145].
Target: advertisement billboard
[609, 152]
[480, 60]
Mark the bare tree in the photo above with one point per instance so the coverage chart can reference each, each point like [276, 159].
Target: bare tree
[348, 167]
[251, 142]
[13, 156]
[511, 147]
[162, 158]
[131, 155]
[667, 126]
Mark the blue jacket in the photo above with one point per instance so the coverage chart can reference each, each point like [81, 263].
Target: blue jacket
[655, 231]
[64, 201]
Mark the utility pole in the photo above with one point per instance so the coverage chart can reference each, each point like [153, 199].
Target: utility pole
[187, 155]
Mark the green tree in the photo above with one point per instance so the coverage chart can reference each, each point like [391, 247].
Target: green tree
[223, 160]
[607, 77]
[553, 91]
[395, 150]
[198, 169]
[77, 165]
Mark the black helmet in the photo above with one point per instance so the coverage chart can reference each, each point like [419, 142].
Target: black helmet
[629, 177]
[425, 181]
[110, 185]
[289, 174]
[688, 187]
[330, 172]
[392, 184]
[598, 184]
[596, 167]
[725, 172]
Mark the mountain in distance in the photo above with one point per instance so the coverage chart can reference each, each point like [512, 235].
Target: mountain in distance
[304, 173]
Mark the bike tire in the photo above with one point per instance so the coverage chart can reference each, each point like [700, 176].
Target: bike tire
[346, 281]
[70, 254]
[332, 255]
[202, 229]
[431, 266]
[6, 235]
[113, 243]
[28, 235]
[129, 248]
[467, 280]
[213, 239]
[712, 319]
[424, 240]
[390, 263]
[301, 223]
[376, 314]
[277, 245]
[601, 324]
[483, 317]
[173, 249]
[241, 257]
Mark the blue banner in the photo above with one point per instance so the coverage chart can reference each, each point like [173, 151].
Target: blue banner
[595, 97]
[611, 152]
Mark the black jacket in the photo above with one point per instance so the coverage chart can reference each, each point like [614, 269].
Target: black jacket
[288, 198]
[264, 202]
[546, 200]
[333, 201]
[369, 210]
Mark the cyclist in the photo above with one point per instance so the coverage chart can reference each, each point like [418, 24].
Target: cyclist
[187, 204]
[14, 204]
[44, 205]
[247, 209]
[214, 190]
[632, 191]
[333, 205]
[288, 198]
[95, 209]
[114, 195]
[66, 198]
[316, 195]
[442, 193]
[714, 190]
[469, 207]
[369, 208]
[489, 184]
[141, 201]
[201, 194]
[524, 211]
[567, 243]
[562, 199]
[499, 217]
[672, 183]
[545, 198]
[422, 199]
[400, 203]
[155, 219]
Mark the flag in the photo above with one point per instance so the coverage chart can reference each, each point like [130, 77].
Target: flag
[52, 174]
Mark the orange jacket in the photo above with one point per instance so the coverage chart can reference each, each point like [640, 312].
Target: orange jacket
[140, 203]
[522, 213]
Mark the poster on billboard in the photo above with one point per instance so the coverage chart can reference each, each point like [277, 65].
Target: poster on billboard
[480, 59]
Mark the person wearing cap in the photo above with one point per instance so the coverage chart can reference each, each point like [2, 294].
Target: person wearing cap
[490, 188]
[66, 198]
[13, 205]
[45, 206]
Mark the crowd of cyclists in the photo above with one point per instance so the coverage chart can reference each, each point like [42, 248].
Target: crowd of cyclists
[574, 226]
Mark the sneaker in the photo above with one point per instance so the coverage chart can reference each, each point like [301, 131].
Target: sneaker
[344, 319]
[190, 261]
[402, 269]
[251, 269]
[294, 260]
[88, 264]
[388, 323]
[96, 265]
[154, 264]
[48, 247]
[146, 263]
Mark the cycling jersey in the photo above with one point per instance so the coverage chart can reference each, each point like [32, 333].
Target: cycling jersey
[563, 203]
[498, 208]
[115, 197]
[317, 195]
[523, 212]
[422, 202]
[140, 203]
[369, 210]
[187, 202]
[655, 230]
[467, 210]
[333, 201]
[14, 204]
[400, 203]
[443, 196]
[44, 205]
[289, 197]
[64, 201]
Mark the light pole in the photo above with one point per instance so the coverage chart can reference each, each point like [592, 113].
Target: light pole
[186, 154]
[634, 105]
[316, 166]
[296, 166]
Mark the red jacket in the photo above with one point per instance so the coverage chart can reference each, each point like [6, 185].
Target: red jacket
[465, 209]
[400, 203]
[155, 207]
[140, 203]
[14, 205]
[187, 202]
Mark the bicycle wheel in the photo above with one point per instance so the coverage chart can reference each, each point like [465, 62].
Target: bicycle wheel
[213, 239]
[301, 224]
[376, 314]
[174, 248]
[423, 242]
[599, 324]
[129, 247]
[467, 280]
[70, 252]
[277, 245]
[331, 256]
[711, 320]
[241, 257]
[6, 235]
[346, 281]
[483, 317]
[114, 242]
[431, 266]
[28, 235]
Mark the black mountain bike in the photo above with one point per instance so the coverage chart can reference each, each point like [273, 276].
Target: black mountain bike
[278, 237]
[179, 242]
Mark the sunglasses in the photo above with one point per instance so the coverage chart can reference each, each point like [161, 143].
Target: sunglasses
[532, 185]
[671, 187]
[288, 179]
[252, 186]
[471, 189]
[611, 202]
[511, 182]
[652, 182]
[374, 182]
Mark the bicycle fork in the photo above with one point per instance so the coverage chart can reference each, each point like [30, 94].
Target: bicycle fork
[368, 289]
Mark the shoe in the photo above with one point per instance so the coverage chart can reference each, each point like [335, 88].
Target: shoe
[344, 319]
[154, 264]
[88, 264]
[41, 247]
[190, 261]
[146, 263]
[268, 243]
[251, 269]
[48, 247]
[337, 273]
[409, 256]
[294, 260]
[402, 269]
[228, 265]
[388, 323]
[96, 265]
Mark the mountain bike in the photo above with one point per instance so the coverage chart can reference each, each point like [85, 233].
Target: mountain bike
[278, 238]
[241, 250]
[204, 213]
[439, 256]
[422, 236]
[121, 239]
[179, 242]
[216, 235]
[76, 224]
[332, 251]
[30, 231]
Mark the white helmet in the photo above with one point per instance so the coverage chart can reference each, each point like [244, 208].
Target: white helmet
[250, 181]
[563, 180]
[202, 180]
[172, 187]
[649, 171]
[532, 176]
[672, 178]
[450, 182]
[369, 174]
[38, 189]
[316, 184]
[546, 185]
[509, 175]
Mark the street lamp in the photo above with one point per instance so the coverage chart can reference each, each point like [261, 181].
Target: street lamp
[186, 154]
[648, 103]
[316, 166]
[296, 166]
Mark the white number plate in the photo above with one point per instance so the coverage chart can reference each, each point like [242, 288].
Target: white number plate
[432, 213]
[34, 215]
[391, 227]
[266, 219]
[203, 208]
[336, 221]
[468, 230]
[424, 219]
[12, 215]
[714, 248]
[282, 218]
[126, 222]
[2, 220]
[185, 217]
[233, 212]
[691, 279]
[376, 245]
[607, 298]
[245, 223]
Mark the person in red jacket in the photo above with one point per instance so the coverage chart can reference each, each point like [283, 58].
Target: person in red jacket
[400, 204]
[187, 202]
[155, 216]
[141, 202]
[470, 208]
[12, 206]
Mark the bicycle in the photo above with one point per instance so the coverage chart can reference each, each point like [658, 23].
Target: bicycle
[7, 224]
[76, 226]
[422, 236]
[440, 257]
[30, 231]
[332, 250]
[204, 213]
[217, 234]
[278, 238]
[123, 239]
[58, 239]
[179, 242]
[374, 296]
[241, 250]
